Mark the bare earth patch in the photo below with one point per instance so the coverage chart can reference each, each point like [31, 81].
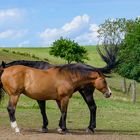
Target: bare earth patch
[33, 134]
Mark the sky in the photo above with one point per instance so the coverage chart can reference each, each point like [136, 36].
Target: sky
[38, 23]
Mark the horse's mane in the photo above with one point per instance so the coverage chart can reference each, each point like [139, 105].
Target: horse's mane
[27, 63]
[77, 68]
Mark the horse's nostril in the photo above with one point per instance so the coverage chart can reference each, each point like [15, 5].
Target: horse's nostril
[110, 93]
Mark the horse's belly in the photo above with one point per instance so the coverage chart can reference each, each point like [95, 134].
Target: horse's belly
[40, 87]
[41, 94]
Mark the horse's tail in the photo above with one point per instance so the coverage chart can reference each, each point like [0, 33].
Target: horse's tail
[109, 55]
[1, 86]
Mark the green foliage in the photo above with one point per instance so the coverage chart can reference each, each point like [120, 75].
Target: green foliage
[129, 54]
[68, 50]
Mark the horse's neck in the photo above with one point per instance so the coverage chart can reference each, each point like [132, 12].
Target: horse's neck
[81, 80]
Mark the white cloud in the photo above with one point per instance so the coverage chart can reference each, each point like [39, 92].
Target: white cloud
[10, 14]
[76, 23]
[24, 43]
[79, 29]
[90, 37]
[94, 27]
[12, 34]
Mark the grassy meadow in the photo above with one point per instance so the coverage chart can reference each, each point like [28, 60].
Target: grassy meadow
[114, 115]
[43, 53]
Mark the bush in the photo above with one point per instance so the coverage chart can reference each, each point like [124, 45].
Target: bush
[69, 50]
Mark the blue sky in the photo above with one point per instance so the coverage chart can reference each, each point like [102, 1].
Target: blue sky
[33, 23]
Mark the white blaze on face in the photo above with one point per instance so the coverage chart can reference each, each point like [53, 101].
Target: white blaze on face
[109, 90]
[107, 94]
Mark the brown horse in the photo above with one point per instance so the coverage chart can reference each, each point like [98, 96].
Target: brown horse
[57, 83]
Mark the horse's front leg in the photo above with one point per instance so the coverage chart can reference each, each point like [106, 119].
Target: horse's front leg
[11, 110]
[42, 106]
[87, 94]
[62, 123]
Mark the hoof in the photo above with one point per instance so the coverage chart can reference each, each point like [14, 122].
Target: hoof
[19, 134]
[63, 132]
[44, 130]
[16, 131]
[90, 130]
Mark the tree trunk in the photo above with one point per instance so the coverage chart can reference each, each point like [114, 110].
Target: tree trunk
[69, 61]
[134, 91]
[123, 84]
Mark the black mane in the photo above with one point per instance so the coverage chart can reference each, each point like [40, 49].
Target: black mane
[74, 68]
[77, 68]
[34, 64]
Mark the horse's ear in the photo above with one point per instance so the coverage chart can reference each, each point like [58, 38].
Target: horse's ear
[3, 64]
[100, 73]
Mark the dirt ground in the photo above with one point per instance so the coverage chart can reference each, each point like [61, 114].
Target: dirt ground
[33, 134]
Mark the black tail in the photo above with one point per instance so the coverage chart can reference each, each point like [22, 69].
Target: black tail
[109, 56]
[1, 90]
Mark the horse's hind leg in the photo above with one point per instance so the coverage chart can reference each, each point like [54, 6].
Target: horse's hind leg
[59, 105]
[62, 123]
[42, 106]
[11, 110]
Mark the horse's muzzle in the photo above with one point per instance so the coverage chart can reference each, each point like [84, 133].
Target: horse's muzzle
[107, 94]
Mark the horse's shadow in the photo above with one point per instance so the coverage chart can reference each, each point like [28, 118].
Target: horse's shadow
[83, 132]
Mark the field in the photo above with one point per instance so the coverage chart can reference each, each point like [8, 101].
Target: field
[117, 117]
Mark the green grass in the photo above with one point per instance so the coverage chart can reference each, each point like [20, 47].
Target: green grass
[9, 56]
[112, 115]
[41, 53]
[94, 58]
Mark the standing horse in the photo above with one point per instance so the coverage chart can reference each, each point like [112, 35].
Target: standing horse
[57, 83]
[86, 91]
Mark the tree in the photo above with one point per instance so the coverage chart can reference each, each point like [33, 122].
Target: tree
[129, 54]
[111, 34]
[68, 50]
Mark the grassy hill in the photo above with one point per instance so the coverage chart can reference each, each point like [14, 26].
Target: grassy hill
[116, 114]
[43, 53]
[9, 56]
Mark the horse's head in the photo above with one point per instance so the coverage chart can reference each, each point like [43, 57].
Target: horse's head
[101, 84]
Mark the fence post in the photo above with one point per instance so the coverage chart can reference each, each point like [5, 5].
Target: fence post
[123, 85]
[133, 91]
